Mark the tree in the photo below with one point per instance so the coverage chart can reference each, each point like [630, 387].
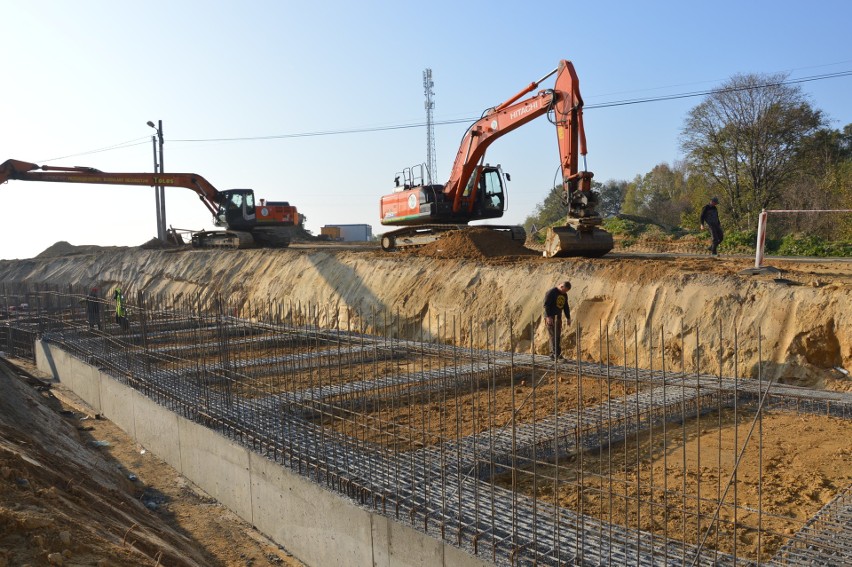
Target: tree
[744, 137]
[822, 182]
[548, 211]
[660, 194]
[611, 196]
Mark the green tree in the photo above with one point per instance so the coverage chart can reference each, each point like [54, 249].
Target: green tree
[822, 181]
[611, 196]
[660, 194]
[744, 138]
[548, 212]
[633, 200]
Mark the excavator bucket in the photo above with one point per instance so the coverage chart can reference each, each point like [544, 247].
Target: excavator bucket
[566, 241]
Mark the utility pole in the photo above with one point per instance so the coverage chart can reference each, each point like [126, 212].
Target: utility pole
[160, 190]
[160, 234]
[431, 168]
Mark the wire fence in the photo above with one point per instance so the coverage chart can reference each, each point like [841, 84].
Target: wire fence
[517, 458]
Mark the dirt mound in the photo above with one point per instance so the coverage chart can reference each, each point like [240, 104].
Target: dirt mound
[474, 243]
[77, 491]
[63, 248]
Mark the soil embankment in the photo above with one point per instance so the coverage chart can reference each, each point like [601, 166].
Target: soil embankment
[802, 316]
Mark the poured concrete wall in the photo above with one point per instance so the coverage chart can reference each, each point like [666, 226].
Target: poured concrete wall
[314, 524]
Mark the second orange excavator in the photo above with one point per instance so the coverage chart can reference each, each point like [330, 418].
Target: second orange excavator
[477, 190]
[247, 224]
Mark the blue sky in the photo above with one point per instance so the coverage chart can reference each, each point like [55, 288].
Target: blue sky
[83, 76]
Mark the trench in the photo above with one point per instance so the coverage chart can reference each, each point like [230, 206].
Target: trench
[466, 442]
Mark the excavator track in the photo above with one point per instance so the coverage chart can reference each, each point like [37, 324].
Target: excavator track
[271, 237]
[413, 236]
[232, 239]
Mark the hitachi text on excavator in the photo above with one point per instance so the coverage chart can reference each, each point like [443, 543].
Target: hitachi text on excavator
[247, 224]
[477, 190]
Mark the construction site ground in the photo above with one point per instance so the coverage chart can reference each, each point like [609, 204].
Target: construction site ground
[65, 476]
[76, 490]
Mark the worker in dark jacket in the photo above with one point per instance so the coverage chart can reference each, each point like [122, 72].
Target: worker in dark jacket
[93, 309]
[555, 304]
[710, 217]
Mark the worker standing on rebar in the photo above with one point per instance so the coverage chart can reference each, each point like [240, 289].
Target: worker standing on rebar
[555, 304]
[710, 217]
[120, 309]
[93, 309]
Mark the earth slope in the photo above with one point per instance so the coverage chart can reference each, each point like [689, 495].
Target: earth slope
[803, 315]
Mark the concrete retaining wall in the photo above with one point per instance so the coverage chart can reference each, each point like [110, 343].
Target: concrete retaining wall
[314, 524]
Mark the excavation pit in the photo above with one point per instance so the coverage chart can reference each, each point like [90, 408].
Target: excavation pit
[421, 415]
[656, 483]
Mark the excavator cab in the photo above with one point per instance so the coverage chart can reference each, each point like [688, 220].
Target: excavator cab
[236, 209]
[490, 199]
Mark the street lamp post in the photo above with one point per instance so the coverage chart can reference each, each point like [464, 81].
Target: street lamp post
[160, 191]
[157, 191]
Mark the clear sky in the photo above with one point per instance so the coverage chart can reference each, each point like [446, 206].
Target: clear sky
[84, 76]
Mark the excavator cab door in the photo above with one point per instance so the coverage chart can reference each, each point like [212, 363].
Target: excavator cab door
[493, 190]
[489, 199]
[237, 209]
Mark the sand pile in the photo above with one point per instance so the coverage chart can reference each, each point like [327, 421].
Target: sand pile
[63, 248]
[475, 243]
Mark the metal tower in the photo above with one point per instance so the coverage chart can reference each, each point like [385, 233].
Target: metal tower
[431, 168]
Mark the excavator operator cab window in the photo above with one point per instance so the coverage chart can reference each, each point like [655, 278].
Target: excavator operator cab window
[237, 209]
[235, 201]
[491, 186]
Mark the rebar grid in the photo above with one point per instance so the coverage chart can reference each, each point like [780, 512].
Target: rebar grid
[509, 455]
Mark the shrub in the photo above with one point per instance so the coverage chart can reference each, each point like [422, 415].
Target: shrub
[811, 245]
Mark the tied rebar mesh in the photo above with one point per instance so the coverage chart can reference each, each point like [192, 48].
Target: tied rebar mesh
[516, 458]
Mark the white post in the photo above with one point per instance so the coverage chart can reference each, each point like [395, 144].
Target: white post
[761, 239]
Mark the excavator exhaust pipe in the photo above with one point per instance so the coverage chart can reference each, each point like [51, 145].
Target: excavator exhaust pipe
[567, 241]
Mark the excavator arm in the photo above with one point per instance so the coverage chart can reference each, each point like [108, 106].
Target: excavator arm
[24, 171]
[565, 106]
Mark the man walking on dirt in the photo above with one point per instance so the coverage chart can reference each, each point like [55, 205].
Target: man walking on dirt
[555, 304]
[710, 217]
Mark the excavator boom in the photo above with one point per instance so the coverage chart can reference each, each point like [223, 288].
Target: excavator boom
[24, 171]
[248, 225]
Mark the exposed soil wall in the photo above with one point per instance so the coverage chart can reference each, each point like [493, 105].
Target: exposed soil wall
[803, 317]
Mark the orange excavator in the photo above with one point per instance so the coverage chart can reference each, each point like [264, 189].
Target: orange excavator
[477, 190]
[247, 224]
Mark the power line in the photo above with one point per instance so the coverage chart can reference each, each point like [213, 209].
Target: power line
[625, 102]
[468, 120]
[118, 146]
[713, 91]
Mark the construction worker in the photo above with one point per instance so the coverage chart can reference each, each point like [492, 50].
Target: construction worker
[710, 217]
[120, 310]
[555, 304]
[93, 309]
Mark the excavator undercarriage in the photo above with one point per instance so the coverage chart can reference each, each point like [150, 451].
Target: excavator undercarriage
[414, 236]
